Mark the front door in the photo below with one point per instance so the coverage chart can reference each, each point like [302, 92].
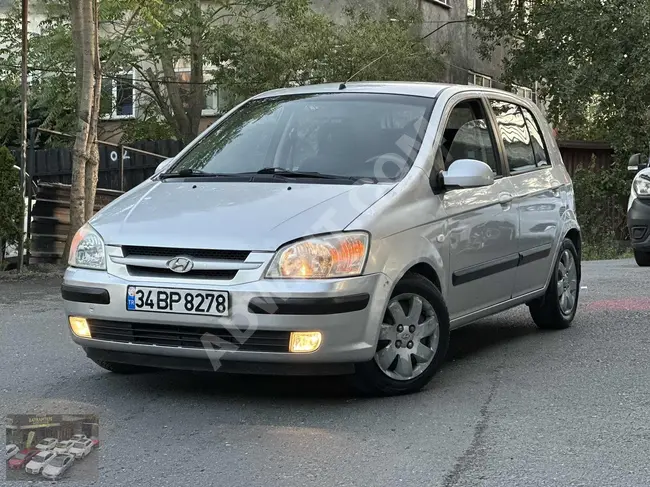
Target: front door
[482, 222]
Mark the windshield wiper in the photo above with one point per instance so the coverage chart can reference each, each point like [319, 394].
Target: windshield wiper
[279, 171]
[193, 173]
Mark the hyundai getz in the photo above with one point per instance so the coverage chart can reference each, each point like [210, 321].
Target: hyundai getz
[332, 229]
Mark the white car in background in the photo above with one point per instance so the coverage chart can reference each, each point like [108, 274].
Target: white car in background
[63, 447]
[58, 467]
[81, 449]
[78, 438]
[40, 461]
[11, 450]
[47, 444]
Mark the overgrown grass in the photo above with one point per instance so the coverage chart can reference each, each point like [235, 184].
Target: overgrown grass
[606, 251]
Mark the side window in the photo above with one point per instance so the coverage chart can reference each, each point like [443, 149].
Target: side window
[467, 136]
[516, 139]
[539, 148]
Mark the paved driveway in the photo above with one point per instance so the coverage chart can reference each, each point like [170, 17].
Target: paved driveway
[514, 406]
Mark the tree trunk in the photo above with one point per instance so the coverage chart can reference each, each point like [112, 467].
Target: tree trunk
[85, 155]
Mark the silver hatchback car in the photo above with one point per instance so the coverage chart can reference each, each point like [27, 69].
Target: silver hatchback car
[332, 229]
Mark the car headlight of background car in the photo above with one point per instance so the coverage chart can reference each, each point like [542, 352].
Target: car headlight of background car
[87, 249]
[322, 257]
[641, 185]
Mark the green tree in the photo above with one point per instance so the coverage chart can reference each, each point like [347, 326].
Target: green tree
[304, 47]
[11, 203]
[234, 47]
[589, 56]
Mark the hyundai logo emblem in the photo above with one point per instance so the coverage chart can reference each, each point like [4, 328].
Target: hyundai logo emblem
[180, 265]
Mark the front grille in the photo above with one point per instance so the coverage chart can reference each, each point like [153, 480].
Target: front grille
[133, 251]
[139, 271]
[185, 336]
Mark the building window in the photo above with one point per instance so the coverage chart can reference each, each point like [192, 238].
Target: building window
[474, 7]
[215, 97]
[446, 3]
[523, 92]
[479, 80]
[117, 99]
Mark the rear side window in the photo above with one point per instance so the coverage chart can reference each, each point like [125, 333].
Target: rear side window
[513, 130]
[539, 148]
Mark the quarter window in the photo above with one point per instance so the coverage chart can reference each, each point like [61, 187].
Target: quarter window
[467, 136]
[516, 139]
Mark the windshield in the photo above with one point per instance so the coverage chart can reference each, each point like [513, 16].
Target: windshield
[40, 458]
[58, 462]
[79, 445]
[20, 456]
[61, 445]
[349, 135]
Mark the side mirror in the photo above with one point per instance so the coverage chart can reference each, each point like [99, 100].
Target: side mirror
[163, 165]
[637, 162]
[468, 173]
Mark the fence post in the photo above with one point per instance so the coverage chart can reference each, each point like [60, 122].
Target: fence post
[120, 158]
[31, 163]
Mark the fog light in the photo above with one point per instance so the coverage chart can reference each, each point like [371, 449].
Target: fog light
[304, 341]
[79, 326]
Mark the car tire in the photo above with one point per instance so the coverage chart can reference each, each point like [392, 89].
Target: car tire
[370, 379]
[642, 258]
[556, 309]
[119, 368]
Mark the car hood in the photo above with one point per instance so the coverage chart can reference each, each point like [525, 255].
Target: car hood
[231, 215]
[13, 461]
[33, 464]
[51, 470]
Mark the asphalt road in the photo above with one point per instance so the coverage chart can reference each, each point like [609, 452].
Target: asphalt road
[513, 406]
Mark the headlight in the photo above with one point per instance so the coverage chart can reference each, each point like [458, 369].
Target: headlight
[337, 255]
[642, 185]
[87, 249]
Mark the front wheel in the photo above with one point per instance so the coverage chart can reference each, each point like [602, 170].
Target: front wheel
[642, 258]
[413, 340]
[557, 308]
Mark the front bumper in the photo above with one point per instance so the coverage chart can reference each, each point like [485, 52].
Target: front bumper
[346, 311]
[638, 223]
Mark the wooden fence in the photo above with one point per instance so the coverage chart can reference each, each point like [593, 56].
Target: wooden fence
[50, 220]
[578, 153]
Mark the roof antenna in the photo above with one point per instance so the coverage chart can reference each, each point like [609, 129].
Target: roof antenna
[342, 85]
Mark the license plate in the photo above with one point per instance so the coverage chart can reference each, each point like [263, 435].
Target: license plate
[179, 301]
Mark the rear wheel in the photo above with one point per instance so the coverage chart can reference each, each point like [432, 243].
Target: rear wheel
[557, 308]
[119, 368]
[642, 258]
[413, 340]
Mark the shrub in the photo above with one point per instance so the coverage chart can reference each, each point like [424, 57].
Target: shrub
[11, 203]
[601, 206]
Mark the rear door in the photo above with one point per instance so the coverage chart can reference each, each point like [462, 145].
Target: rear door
[482, 223]
[537, 193]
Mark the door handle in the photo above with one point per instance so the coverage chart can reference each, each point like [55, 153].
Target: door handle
[505, 198]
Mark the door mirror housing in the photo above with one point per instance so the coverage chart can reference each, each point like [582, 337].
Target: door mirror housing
[163, 165]
[467, 173]
[637, 162]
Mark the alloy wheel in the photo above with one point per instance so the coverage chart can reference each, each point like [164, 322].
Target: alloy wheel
[567, 282]
[408, 338]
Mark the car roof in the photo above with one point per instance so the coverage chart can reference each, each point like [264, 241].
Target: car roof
[414, 88]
